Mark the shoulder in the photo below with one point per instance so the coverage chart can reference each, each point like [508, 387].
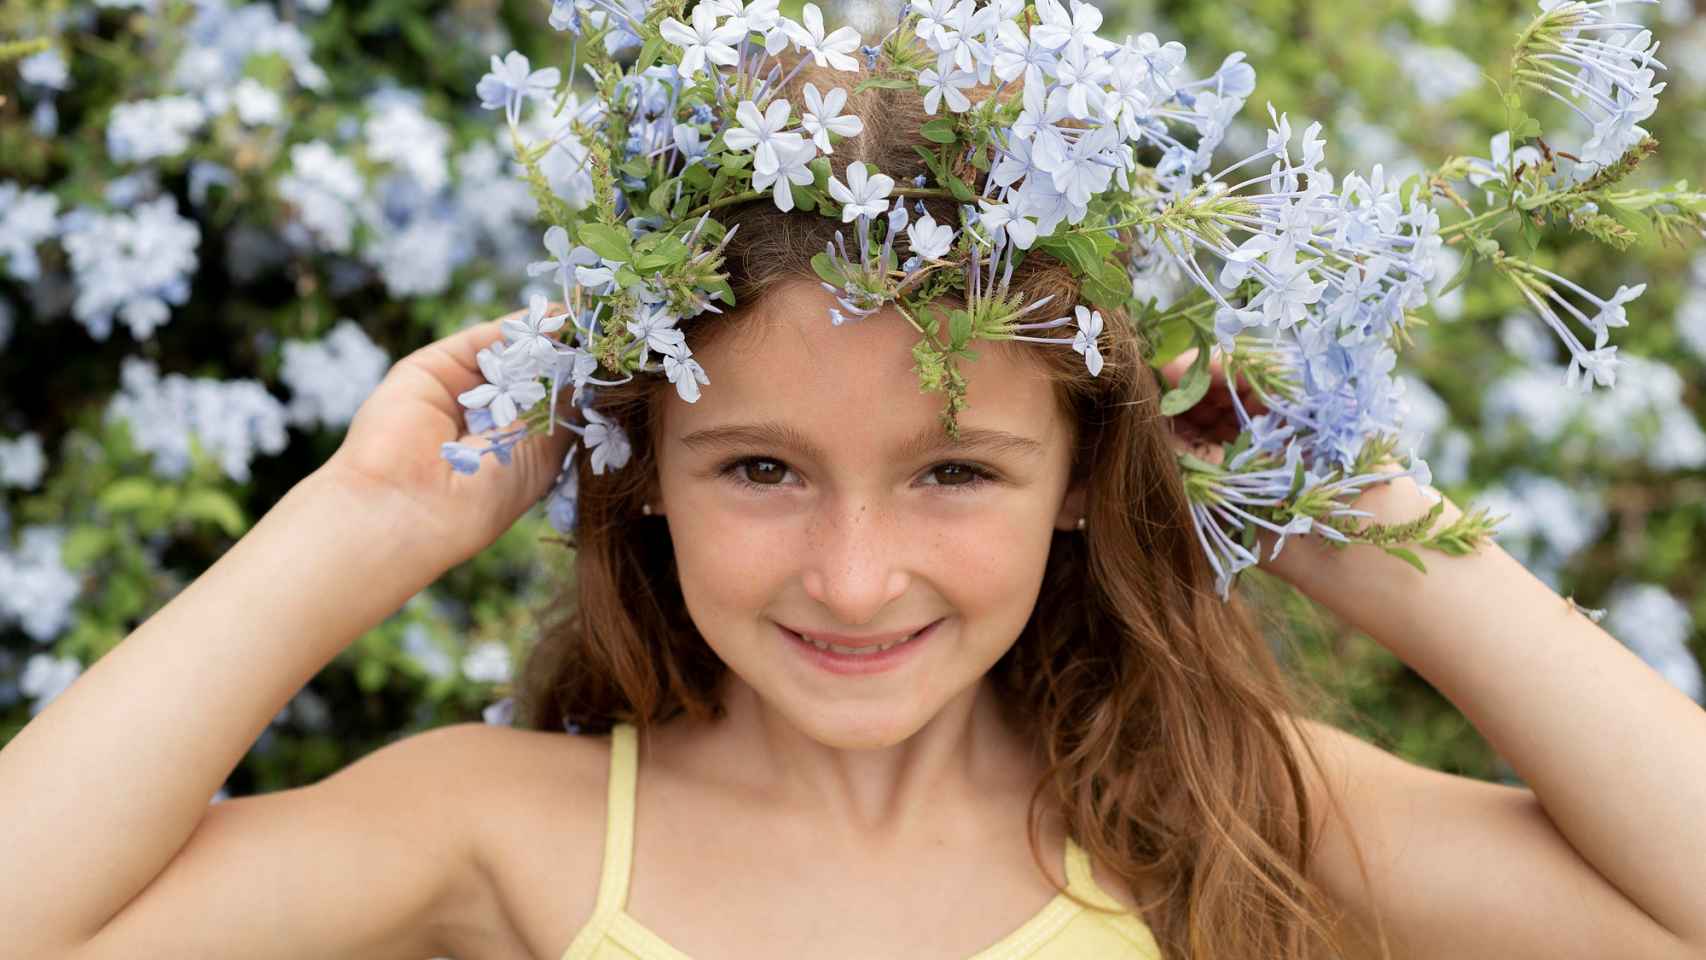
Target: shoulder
[531, 805]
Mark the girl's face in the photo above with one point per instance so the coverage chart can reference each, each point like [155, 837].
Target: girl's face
[813, 490]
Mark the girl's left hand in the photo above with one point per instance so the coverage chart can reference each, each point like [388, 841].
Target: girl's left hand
[1308, 559]
[1201, 430]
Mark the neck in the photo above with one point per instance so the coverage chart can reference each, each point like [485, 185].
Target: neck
[885, 786]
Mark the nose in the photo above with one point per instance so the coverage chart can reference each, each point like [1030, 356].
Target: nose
[856, 561]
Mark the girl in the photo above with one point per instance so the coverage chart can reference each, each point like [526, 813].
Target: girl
[847, 689]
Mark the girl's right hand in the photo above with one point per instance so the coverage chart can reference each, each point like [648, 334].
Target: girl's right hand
[391, 452]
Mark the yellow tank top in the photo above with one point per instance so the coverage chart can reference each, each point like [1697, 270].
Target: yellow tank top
[1062, 930]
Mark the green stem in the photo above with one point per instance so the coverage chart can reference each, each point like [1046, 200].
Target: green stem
[1463, 226]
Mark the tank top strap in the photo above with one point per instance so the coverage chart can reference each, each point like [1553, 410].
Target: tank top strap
[619, 819]
[1081, 879]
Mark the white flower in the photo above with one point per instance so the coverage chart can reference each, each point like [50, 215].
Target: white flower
[530, 337]
[506, 391]
[512, 81]
[45, 69]
[1057, 28]
[763, 132]
[932, 19]
[1081, 77]
[703, 41]
[1089, 324]
[937, 87]
[329, 378]
[792, 170]
[685, 373]
[830, 51]
[22, 462]
[928, 238]
[256, 104]
[864, 194]
[606, 441]
[759, 16]
[488, 662]
[46, 677]
[153, 129]
[1017, 53]
[655, 329]
[37, 590]
[1000, 217]
[823, 117]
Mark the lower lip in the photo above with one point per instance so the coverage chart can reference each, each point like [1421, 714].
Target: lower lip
[859, 664]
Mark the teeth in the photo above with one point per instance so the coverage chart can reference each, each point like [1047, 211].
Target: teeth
[854, 651]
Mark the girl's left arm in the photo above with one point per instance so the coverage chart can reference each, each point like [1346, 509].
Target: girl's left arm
[1605, 855]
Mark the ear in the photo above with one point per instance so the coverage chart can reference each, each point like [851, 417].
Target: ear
[1072, 506]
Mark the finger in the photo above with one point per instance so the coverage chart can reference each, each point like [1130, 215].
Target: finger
[454, 360]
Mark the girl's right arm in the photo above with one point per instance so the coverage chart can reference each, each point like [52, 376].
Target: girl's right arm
[110, 844]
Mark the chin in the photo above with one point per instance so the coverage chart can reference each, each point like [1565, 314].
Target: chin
[855, 726]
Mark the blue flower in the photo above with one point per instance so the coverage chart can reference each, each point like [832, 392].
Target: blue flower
[511, 81]
[463, 458]
[864, 193]
[1084, 341]
[508, 390]
[605, 441]
[530, 337]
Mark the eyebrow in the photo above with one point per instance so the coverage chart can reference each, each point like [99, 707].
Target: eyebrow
[931, 439]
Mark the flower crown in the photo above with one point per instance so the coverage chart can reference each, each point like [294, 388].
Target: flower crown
[1095, 152]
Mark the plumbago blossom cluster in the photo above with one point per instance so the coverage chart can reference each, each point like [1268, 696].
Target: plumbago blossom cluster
[1097, 152]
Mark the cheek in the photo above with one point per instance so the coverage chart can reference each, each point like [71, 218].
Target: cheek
[729, 567]
[993, 569]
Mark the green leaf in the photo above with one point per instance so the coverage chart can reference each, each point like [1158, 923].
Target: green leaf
[1407, 556]
[370, 674]
[1457, 280]
[649, 54]
[962, 192]
[636, 168]
[1298, 475]
[667, 252]
[939, 130]
[720, 287]
[1085, 257]
[930, 161]
[697, 177]
[826, 268]
[128, 494]
[959, 328]
[660, 196]
[212, 505]
[1192, 388]
[605, 240]
[884, 83]
[84, 544]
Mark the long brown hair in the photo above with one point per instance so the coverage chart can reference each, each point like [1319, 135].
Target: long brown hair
[1160, 709]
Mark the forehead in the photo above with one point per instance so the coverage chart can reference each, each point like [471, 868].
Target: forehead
[786, 364]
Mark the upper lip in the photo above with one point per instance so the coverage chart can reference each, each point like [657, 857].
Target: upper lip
[868, 640]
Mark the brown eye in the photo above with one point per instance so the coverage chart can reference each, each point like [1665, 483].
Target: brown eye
[762, 472]
[955, 475]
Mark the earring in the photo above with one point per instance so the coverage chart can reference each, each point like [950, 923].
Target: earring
[1082, 523]
[646, 509]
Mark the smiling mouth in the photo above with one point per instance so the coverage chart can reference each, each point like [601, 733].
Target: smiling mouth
[865, 650]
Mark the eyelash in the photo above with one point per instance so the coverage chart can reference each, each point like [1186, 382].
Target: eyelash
[980, 476]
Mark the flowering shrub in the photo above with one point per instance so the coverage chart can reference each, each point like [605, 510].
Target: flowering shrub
[220, 222]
